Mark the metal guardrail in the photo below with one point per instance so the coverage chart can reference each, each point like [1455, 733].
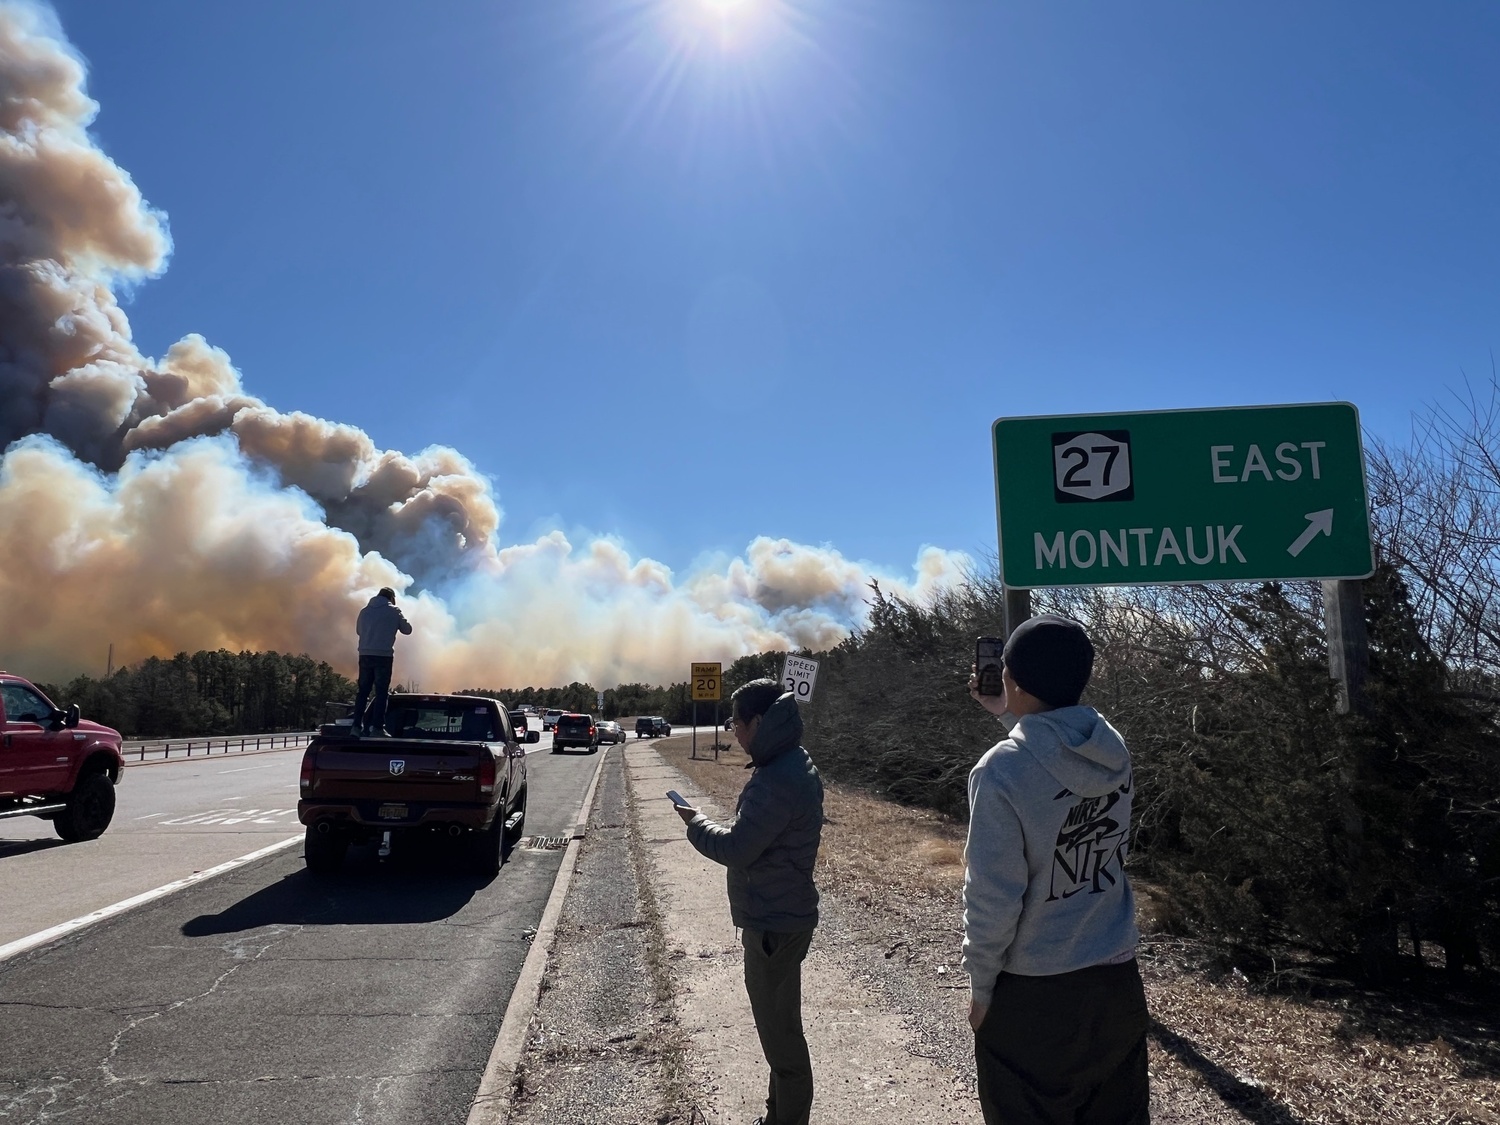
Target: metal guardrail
[163, 748]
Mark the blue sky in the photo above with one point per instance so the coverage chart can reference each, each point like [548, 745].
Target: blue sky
[774, 271]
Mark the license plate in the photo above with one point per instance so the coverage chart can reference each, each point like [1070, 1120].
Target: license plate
[392, 812]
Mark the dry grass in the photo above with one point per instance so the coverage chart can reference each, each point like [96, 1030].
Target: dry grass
[1337, 1056]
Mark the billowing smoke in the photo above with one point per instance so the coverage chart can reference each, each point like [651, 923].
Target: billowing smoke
[155, 504]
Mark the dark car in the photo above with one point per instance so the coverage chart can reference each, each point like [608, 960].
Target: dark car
[574, 730]
[518, 724]
[645, 727]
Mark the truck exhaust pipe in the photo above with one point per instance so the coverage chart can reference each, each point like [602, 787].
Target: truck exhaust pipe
[455, 830]
[324, 828]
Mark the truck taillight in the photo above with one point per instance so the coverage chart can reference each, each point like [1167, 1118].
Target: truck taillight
[487, 773]
[591, 732]
[307, 770]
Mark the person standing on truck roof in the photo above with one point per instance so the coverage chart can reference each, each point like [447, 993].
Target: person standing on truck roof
[379, 622]
[1056, 1002]
[770, 850]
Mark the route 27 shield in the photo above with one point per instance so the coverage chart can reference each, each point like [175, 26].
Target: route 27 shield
[398, 767]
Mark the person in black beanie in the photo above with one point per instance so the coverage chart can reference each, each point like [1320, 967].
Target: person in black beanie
[1055, 997]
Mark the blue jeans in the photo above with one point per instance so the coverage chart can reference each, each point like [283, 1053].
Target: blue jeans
[374, 673]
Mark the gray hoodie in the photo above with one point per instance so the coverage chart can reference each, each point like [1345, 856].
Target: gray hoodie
[772, 845]
[1045, 891]
[378, 624]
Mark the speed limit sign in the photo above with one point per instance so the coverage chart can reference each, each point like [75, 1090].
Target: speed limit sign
[798, 677]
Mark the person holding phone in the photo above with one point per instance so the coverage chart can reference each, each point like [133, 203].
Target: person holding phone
[1056, 1001]
[770, 850]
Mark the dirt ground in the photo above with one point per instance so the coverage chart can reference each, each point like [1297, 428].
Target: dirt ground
[1223, 1048]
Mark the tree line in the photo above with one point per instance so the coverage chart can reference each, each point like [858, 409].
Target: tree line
[208, 693]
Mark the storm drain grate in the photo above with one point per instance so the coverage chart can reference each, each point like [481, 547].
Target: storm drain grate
[545, 843]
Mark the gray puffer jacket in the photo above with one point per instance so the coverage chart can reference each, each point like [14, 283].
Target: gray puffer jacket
[772, 845]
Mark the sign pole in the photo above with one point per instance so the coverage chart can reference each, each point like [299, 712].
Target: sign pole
[695, 730]
[1348, 641]
[716, 730]
[1017, 608]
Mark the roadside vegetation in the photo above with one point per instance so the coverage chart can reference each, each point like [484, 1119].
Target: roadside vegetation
[1275, 826]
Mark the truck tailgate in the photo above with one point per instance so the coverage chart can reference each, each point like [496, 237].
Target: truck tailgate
[391, 769]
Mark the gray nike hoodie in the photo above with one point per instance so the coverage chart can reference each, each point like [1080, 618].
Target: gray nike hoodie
[1045, 890]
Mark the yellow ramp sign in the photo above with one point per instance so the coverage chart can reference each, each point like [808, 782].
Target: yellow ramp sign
[707, 681]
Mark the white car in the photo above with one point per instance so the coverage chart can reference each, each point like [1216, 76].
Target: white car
[549, 719]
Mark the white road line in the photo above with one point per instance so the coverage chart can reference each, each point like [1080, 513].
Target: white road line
[149, 815]
[244, 769]
[52, 933]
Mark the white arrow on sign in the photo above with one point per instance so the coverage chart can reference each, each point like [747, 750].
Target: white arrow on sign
[1318, 523]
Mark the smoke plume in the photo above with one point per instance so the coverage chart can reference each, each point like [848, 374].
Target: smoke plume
[156, 504]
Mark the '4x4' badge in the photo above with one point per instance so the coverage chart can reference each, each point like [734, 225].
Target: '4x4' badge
[398, 767]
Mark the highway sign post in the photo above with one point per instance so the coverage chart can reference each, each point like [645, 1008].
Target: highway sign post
[707, 683]
[1240, 494]
[798, 677]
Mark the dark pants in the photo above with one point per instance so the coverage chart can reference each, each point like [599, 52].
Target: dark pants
[374, 673]
[1065, 1050]
[773, 980]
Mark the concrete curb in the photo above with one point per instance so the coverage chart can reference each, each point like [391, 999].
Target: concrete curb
[491, 1105]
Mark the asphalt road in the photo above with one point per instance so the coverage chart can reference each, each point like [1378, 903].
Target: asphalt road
[264, 994]
[172, 819]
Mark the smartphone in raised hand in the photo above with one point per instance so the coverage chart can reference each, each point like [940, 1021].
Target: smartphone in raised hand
[987, 665]
[676, 798]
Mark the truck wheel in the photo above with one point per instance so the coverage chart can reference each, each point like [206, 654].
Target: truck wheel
[324, 852]
[487, 849]
[90, 809]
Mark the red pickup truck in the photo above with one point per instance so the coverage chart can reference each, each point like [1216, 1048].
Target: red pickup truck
[453, 767]
[54, 764]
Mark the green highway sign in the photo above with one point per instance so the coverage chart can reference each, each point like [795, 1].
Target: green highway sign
[1251, 493]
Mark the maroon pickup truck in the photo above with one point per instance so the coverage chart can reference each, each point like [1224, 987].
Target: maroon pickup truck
[453, 767]
[55, 765]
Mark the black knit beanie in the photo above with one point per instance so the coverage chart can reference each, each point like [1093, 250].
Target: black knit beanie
[1050, 657]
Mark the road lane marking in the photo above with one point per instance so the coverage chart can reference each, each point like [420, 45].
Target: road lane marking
[226, 816]
[244, 769]
[149, 815]
[52, 933]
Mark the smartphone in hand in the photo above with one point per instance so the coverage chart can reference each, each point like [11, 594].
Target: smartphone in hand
[676, 798]
[987, 665]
